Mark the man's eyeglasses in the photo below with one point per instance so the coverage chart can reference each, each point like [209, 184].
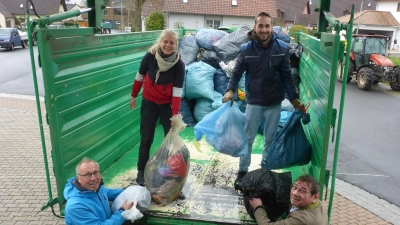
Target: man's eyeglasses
[300, 190]
[88, 176]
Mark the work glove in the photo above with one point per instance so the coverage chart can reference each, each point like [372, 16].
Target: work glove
[298, 105]
[228, 97]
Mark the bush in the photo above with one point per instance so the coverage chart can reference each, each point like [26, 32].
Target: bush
[155, 21]
[298, 28]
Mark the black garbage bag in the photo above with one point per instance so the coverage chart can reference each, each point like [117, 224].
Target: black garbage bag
[272, 188]
[228, 47]
[210, 57]
[290, 147]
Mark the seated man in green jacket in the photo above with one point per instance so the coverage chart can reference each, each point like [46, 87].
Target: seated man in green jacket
[306, 209]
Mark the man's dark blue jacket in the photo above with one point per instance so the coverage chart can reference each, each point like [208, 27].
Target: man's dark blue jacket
[268, 72]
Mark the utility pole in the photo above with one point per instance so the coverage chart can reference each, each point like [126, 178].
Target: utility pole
[122, 19]
[358, 26]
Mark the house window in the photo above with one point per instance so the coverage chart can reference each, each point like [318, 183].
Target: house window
[215, 24]
[185, 1]
[398, 7]
[289, 26]
[105, 12]
[234, 2]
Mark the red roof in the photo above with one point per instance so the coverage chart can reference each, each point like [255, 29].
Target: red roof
[244, 8]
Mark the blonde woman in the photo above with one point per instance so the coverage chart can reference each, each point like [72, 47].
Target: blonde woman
[161, 74]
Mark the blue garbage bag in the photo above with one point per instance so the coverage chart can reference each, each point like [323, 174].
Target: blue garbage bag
[220, 81]
[199, 81]
[224, 130]
[206, 37]
[188, 49]
[290, 147]
[186, 113]
[281, 34]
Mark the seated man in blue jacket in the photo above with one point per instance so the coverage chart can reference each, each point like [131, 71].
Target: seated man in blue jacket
[88, 201]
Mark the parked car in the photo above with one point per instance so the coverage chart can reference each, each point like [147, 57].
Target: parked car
[10, 38]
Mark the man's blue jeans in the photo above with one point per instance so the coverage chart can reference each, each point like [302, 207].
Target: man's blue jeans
[254, 113]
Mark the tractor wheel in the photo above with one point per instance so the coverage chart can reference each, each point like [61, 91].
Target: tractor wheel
[341, 71]
[350, 70]
[364, 79]
[396, 85]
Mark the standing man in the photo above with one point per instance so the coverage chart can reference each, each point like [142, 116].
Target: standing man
[307, 208]
[88, 201]
[265, 59]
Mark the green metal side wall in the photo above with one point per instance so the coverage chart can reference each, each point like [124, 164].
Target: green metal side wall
[87, 80]
[318, 73]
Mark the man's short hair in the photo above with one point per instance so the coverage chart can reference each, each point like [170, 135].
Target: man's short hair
[85, 160]
[308, 179]
[262, 14]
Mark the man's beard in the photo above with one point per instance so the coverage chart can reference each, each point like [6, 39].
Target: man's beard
[264, 42]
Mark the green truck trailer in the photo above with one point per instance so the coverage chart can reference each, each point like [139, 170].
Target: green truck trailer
[87, 78]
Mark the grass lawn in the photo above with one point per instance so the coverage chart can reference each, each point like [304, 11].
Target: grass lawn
[395, 61]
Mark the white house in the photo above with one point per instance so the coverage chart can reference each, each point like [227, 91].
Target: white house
[393, 7]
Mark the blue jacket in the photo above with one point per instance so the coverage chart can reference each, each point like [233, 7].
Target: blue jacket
[268, 72]
[89, 207]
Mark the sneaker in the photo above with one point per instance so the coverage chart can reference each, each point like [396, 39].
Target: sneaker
[140, 178]
[238, 181]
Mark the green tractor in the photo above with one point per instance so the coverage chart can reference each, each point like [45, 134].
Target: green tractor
[369, 64]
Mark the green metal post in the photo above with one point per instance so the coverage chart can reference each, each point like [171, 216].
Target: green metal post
[324, 5]
[31, 26]
[95, 16]
[58, 17]
[349, 32]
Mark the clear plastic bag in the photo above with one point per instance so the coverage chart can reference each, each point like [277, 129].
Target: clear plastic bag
[166, 171]
[137, 194]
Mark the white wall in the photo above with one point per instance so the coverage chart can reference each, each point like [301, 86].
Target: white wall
[392, 31]
[189, 21]
[230, 21]
[391, 7]
[2, 21]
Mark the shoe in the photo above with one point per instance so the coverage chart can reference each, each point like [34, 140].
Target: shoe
[140, 178]
[238, 181]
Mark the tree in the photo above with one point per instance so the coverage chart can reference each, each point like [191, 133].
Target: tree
[137, 18]
[297, 28]
[155, 21]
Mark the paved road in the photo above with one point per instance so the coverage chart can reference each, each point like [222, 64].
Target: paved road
[16, 72]
[370, 138]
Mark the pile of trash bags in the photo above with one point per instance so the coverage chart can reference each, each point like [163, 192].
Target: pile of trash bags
[210, 57]
[166, 171]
